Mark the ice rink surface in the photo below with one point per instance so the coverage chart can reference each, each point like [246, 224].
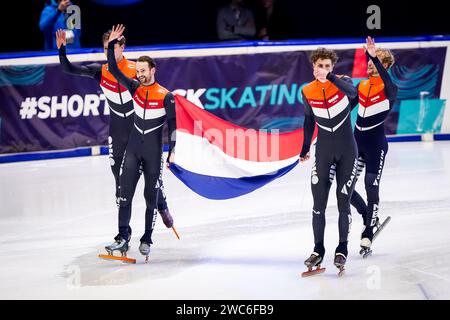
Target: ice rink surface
[56, 216]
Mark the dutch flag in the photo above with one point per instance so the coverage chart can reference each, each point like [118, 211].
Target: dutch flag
[220, 160]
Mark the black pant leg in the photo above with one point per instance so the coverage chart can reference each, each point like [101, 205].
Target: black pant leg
[151, 170]
[162, 200]
[320, 187]
[374, 170]
[346, 170]
[128, 180]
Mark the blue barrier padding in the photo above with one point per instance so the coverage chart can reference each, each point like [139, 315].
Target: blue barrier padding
[80, 152]
[442, 136]
[30, 156]
[104, 151]
[405, 138]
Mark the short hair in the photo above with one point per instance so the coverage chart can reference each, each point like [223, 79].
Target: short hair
[324, 53]
[385, 56]
[106, 38]
[150, 61]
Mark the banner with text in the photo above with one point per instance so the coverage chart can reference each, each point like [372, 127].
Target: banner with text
[41, 108]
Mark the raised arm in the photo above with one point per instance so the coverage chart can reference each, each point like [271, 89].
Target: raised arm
[93, 70]
[390, 88]
[129, 83]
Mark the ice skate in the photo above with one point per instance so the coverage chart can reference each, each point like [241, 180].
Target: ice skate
[144, 249]
[366, 241]
[120, 245]
[365, 247]
[313, 261]
[368, 236]
[339, 262]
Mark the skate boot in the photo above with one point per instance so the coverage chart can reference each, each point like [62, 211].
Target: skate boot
[166, 217]
[313, 261]
[144, 249]
[130, 231]
[120, 245]
[366, 241]
[339, 262]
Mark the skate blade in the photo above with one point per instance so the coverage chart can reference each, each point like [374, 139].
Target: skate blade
[382, 226]
[313, 272]
[365, 253]
[341, 268]
[176, 233]
[123, 259]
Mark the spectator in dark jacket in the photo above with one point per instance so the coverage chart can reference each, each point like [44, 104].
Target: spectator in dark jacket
[234, 22]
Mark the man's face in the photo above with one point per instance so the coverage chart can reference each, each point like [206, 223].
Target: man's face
[371, 69]
[144, 74]
[118, 50]
[325, 64]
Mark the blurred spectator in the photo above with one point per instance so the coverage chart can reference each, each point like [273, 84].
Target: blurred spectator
[234, 22]
[54, 17]
[264, 19]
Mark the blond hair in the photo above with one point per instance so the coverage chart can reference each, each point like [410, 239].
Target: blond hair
[385, 56]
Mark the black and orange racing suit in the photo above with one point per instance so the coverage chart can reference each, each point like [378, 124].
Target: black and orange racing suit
[153, 105]
[376, 97]
[120, 104]
[328, 105]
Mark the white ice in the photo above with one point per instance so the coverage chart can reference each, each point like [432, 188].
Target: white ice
[57, 215]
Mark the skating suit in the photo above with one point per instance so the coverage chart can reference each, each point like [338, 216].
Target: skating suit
[154, 106]
[328, 105]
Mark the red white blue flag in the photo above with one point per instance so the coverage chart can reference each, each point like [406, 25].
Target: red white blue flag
[220, 160]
